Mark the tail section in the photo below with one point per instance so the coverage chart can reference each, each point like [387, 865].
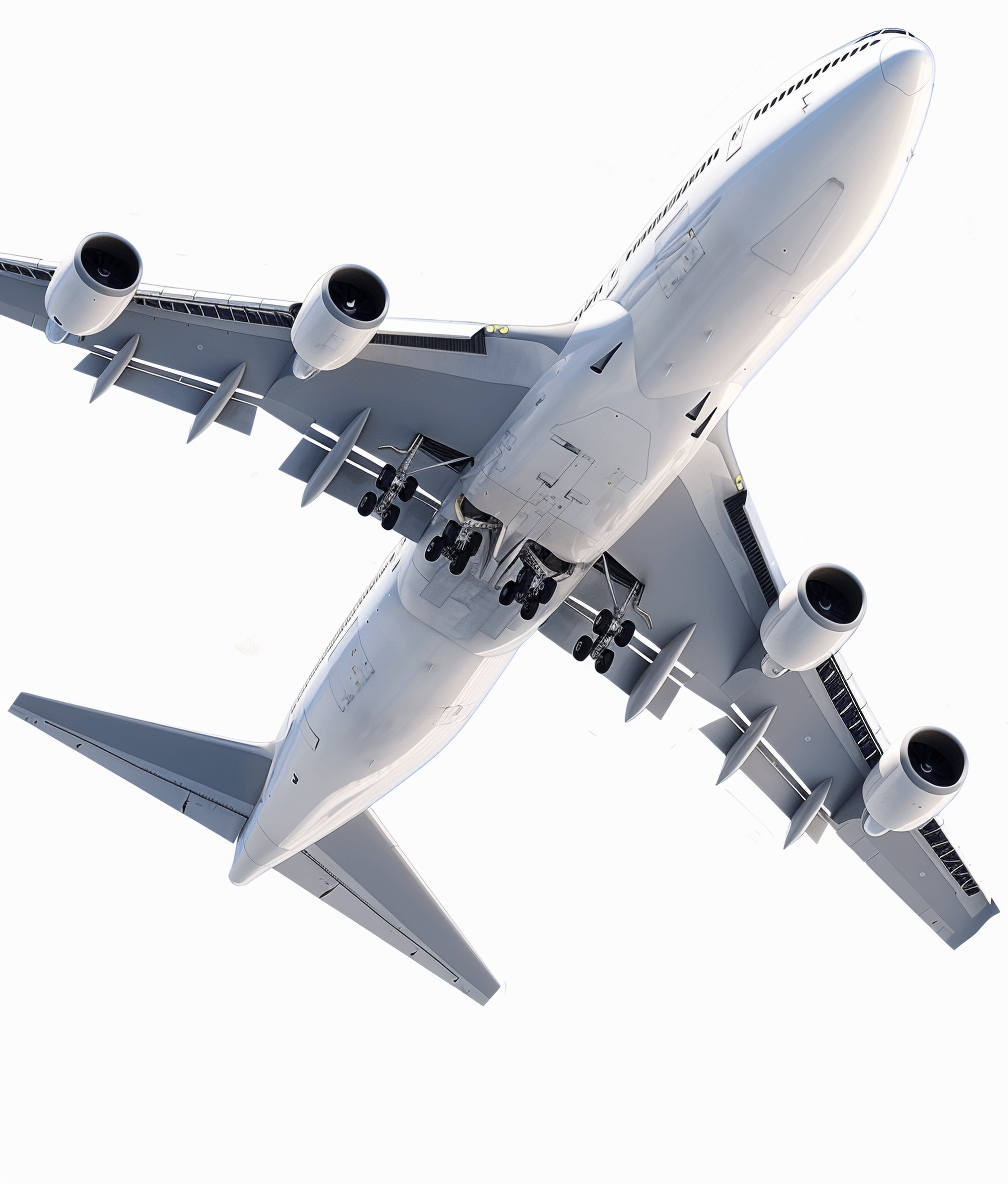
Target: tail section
[357, 870]
[217, 782]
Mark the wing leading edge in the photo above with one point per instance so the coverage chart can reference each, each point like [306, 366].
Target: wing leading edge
[357, 869]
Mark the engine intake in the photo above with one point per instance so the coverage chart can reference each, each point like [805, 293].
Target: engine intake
[91, 288]
[812, 619]
[911, 783]
[341, 314]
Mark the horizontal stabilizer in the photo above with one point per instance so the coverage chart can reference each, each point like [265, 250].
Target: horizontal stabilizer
[357, 869]
[215, 781]
[360, 871]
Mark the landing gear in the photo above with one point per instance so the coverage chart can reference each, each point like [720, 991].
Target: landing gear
[367, 503]
[532, 586]
[450, 534]
[458, 563]
[602, 622]
[610, 628]
[385, 478]
[409, 487]
[390, 517]
[434, 548]
[524, 580]
[626, 634]
[583, 647]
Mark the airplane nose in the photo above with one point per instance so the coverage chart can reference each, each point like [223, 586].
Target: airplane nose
[907, 64]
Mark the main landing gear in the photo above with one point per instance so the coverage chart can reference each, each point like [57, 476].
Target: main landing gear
[391, 483]
[531, 587]
[609, 628]
[457, 542]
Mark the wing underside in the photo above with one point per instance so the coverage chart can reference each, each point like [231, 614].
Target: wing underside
[452, 383]
[702, 556]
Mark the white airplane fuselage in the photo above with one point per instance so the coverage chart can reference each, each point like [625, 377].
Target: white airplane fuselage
[773, 216]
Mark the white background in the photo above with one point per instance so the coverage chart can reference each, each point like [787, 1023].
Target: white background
[682, 998]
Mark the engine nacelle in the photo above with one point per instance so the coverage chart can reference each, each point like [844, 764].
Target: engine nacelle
[911, 783]
[91, 288]
[341, 314]
[812, 618]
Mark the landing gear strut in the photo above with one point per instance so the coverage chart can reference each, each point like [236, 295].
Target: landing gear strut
[395, 484]
[534, 585]
[459, 541]
[609, 628]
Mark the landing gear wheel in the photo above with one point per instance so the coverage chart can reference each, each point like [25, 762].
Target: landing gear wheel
[450, 533]
[458, 564]
[475, 541]
[604, 661]
[384, 478]
[408, 489]
[366, 505]
[528, 610]
[626, 634]
[434, 548]
[547, 590]
[508, 593]
[525, 578]
[602, 621]
[390, 517]
[583, 647]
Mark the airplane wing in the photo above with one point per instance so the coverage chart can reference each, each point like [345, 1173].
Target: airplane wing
[454, 383]
[357, 869]
[703, 559]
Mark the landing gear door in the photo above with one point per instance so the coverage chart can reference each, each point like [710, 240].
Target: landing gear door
[735, 139]
[351, 670]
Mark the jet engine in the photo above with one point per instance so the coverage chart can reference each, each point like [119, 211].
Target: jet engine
[812, 618]
[341, 314]
[911, 783]
[91, 288]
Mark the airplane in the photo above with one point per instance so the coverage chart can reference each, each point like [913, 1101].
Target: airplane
[575, 480]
